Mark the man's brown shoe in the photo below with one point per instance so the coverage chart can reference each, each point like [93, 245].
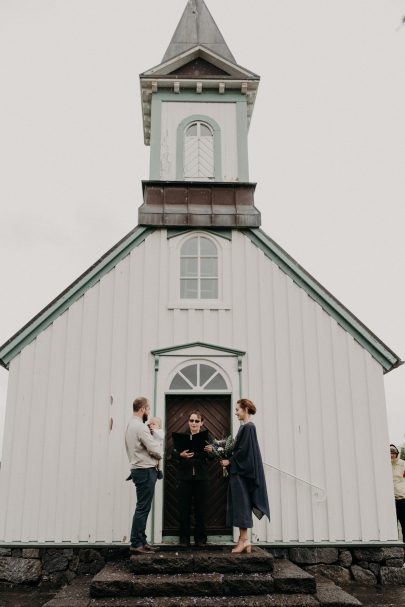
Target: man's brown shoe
[138, 550]
[150, 548]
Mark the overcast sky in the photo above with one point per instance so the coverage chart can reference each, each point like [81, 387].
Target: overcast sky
[327, 144]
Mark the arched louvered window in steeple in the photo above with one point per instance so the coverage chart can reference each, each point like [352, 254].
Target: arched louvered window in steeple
[199, 161]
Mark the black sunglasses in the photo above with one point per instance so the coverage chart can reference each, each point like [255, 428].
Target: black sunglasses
[195, 421]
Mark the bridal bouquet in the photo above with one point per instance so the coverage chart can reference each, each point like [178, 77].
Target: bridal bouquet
[222, 449]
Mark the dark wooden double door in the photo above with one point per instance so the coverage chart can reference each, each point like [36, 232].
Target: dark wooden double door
[216, 410]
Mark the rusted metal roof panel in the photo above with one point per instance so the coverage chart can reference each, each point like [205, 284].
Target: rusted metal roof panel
[197, 204]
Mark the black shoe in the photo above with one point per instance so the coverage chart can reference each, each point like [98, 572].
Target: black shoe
[201, 543]
[150, 548]
[184, 542]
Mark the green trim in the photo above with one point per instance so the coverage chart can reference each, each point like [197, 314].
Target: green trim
[213, 540]
[378, 350]
[354, 544]
[155, 137]
[89, 278]
[199, 355]
[240, 375]
[173, 232]
[183, 96]
[203, 97]
[190, 392]
[155, 384]
[242, 140]
[180, 145]
[163, 351]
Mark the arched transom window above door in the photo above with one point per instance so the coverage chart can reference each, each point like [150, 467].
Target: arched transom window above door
[198, 377]
[199, 269]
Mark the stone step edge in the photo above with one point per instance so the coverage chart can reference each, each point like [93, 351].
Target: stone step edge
[121, 583]
[330, 594]
[74, 599]
[277, 600]
[209, 562]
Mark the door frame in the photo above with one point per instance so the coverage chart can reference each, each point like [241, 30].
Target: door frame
[166, 363]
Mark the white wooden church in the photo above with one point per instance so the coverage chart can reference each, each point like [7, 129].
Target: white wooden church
[196, 307]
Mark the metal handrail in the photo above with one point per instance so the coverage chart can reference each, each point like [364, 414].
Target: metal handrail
[319, 492]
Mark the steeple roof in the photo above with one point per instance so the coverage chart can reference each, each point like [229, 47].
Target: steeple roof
[197, 28]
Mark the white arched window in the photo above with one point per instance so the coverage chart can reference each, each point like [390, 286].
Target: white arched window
[199, 269]
[199, 151]
[198, 377]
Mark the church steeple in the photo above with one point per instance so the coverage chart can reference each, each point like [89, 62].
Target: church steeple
[196, 107]
[197, 28]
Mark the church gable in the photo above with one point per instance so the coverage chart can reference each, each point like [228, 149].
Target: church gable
[199, 67]
[352, 325]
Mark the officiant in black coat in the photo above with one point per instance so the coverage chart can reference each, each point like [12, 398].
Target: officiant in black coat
[247, 491]
[192, 480]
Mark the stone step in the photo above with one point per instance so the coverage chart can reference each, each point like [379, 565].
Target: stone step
[291, 578]
[210, 561]
[330, 595]
[269, 600]
[115, 580]
[327, 595]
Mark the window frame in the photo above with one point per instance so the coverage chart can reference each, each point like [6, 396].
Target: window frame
[199, 256]
[198, 388]
[223, 247]
[180, 147]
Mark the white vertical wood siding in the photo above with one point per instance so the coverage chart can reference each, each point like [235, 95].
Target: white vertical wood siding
[223, 113]
[321, 410]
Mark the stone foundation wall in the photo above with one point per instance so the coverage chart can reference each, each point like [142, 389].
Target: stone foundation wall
[58, 566]
[366, 566]
[53, 567]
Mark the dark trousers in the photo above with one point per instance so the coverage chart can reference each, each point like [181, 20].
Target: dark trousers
[400, 507]
[144, 480]
[192, 494]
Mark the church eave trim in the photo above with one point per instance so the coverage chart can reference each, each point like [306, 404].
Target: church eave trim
[72, 293]
[234, 69]
[197, 344]
[348, 321]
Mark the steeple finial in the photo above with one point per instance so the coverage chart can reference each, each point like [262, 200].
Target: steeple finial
[197, 27]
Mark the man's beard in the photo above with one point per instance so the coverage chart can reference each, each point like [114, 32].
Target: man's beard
[145, 417]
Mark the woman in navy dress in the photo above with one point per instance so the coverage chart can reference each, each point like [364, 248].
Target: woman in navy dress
[247, 490]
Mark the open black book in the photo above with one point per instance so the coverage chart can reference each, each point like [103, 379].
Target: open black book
[195, 443]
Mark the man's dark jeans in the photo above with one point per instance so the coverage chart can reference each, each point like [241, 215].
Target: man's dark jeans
[400, 507]
[144, 480]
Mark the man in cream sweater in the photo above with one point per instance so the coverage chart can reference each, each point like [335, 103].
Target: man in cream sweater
[398, 475]
[143, 454]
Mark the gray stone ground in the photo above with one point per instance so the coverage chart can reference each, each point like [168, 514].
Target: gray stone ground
[24, 596]
[377, 596]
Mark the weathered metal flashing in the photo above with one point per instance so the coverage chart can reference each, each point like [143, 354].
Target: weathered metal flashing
[348, 321]
[199, 204]
[221, 232]
[72, 293]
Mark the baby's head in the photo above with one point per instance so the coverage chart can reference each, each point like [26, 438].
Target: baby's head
[155, 423]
